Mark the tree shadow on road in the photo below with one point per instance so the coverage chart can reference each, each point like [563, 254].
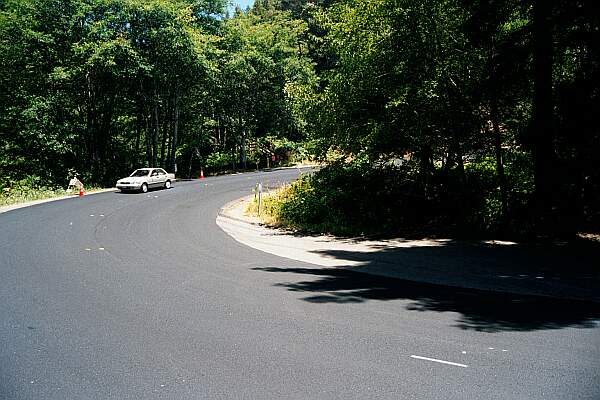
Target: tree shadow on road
[481, 310]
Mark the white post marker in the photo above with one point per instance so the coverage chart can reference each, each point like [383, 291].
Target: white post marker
[260, 189]
[440, 361]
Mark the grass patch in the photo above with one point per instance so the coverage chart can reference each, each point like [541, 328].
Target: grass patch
[32, 189]
[18, 196]
[270, 206]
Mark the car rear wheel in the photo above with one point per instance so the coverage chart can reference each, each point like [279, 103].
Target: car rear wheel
[168, 185]
[144, 187]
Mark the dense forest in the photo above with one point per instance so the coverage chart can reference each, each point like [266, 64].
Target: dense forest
[472, 115]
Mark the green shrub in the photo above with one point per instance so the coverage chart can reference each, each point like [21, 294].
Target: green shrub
[28, 189]
[218, 160]
[362, 197]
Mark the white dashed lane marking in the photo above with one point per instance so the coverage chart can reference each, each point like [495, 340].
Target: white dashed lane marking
[440, 361]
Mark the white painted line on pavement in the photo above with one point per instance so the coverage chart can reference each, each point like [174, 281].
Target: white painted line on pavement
[439, 361]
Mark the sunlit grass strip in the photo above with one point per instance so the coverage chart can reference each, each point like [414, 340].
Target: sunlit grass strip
[18, 196]
[270, 211]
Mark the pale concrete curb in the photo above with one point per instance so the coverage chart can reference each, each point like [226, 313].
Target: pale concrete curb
[490, 266]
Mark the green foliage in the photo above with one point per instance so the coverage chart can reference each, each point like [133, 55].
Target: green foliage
[218, 160]
[492, 102]
[362, 197]
[27, 189]
[100, 86]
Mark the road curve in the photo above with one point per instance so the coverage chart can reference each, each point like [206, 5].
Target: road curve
[142, 296]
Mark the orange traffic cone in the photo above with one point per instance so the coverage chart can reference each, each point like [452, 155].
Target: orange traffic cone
[201, 173]
[81, 192]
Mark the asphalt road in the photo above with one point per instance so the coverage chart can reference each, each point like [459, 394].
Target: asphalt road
[142, 296]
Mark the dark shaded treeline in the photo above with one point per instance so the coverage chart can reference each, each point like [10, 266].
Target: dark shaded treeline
[489, 103]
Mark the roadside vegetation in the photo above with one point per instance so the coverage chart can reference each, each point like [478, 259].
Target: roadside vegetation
[32, 189]
[454, 117]
[361, 199]
[28, 190]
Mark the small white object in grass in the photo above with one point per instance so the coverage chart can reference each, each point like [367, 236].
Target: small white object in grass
[464, 352]
[102, 215]
[91, 215]
[490, 348]
[101, 248]
[88, 249]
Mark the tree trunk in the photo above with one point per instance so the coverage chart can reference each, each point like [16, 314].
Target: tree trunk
[175, 129]
[541, 133]
[460, 164]
[91, 122]
[242, 142]
[165, 149]
[499, 161]
[138, 134]
[148, 139]
[156, 130]
[426, 167]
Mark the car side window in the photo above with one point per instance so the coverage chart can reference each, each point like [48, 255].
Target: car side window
[154, 173]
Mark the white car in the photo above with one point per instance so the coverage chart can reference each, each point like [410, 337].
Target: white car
[145, 178]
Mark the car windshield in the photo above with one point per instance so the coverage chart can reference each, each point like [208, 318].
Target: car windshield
[140, 172]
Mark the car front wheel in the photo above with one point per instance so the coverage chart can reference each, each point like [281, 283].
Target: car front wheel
[168, 185]
[144, 187]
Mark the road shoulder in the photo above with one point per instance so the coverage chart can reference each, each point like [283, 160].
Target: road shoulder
[488, 265]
